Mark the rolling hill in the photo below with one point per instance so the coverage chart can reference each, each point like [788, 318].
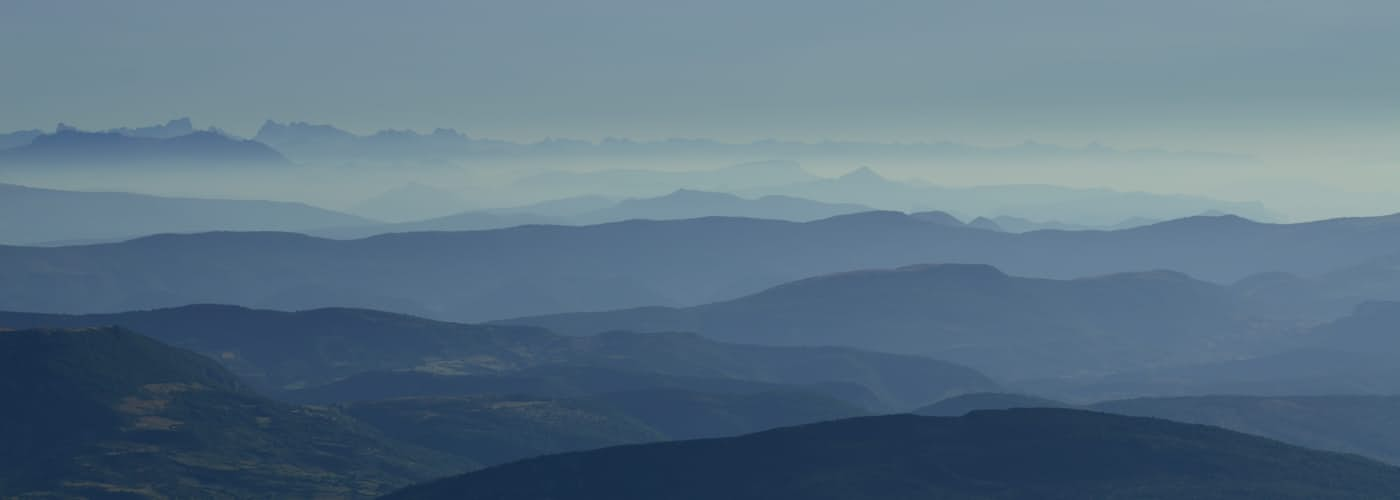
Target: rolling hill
[1364, 425]
[1348, 356]
[972, 314]
[1029, 453]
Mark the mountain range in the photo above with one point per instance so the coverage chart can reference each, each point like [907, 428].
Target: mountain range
[532, 270]
[70, 148]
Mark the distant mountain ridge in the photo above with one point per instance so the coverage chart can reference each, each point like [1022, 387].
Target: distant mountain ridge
[31, 215]
[533, 270]
[678, 205]
[1085, 208]
[73, 148]
[306, 140]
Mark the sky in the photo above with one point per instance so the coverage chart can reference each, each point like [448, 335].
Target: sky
[1306, 84]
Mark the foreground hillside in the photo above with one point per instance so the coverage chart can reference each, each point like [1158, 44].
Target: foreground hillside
[1364, 425]
[535, 270]
[108, 413]
[1038, 453]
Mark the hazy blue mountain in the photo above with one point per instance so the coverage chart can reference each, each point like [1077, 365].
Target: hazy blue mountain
[1292, 372]
[297, 137]
[681, 414]
[1326, 295]
[410, 202]
[689, 204]
[495, 429]
[309, 142]
[960, 405]
[476, 220]
[1022, 225]
[1028, 453]
[536, 270]
[1365, 425]
[563, 207]
[1077, 207]
[170, 129]
[1351, 355]
[73, 148]
[18, 138]
[1369, 329]
[277, 351]
[985, 223]
[634, 183]
[106, 413]
[33, 215]
[557, 381]
[681, 204]
[972, 314]
[503, 428]
[937, 217]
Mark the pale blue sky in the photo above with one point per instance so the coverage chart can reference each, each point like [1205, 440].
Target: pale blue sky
[1272, 77]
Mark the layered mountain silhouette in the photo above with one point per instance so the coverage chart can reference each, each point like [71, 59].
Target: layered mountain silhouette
[1080, 208]
[1351, 355]
[107, 413]
[18, 138]
[535, 270]
[410, 202]
[31, 215]
[278, 351]
[172, 128]
[559, 381]
[496, 429]
[963, 404]
[681, 204]
[1030, 453]
[1330, 294]
[689, 204]
[650, 183]
[320, 142]
[973, 314]
[74, 148]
